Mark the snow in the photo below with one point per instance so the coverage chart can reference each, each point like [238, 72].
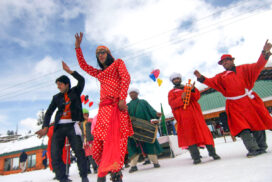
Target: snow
[23, 143]
[233, 167]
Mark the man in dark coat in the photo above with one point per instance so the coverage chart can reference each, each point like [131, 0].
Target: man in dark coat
[22, 160]
[67, 117]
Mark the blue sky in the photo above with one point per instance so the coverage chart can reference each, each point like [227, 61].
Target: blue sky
[173, 36]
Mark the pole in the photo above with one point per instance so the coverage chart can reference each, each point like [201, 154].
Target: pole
[67, 156]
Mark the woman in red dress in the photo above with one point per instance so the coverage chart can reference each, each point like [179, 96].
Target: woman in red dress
[113, 123]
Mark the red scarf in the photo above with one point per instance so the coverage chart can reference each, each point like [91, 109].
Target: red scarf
[111, 155]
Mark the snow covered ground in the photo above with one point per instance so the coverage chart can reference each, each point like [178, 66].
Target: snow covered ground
[233, 167]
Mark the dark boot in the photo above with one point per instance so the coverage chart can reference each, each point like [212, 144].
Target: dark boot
[212, 152]
[85, 179]
[101, 179]
[250, 143]
[146, 162]
[260, 138]
[157, 165]
[117, 177]
[133, 169]
[195, 154]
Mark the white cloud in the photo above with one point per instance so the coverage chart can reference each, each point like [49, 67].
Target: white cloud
[27, 125]
[152, 27]
[47, 65]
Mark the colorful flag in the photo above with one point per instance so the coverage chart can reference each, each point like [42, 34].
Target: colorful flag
[163, 123]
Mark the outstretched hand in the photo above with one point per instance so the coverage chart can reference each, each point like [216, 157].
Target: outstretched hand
[42, 132]
[267, 46]
[66, 68]
[193, 86]
[197, 74]
[78, 39]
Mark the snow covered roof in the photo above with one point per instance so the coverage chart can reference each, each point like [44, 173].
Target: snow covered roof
[23, 143]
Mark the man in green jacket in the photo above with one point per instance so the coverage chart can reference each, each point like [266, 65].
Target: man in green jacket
[141, 109]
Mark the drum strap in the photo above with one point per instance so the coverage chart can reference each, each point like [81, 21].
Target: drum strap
[136, 108]
[138, 142]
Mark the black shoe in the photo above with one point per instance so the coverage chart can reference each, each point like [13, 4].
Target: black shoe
[216, 157]
[133, 169]
[117, 177]
[157, 165]
[127, 165]
[101, 179]
[89, 172]
[197, 161]
[85, 179]
[95, 171]
[147, 162]
[253, 154]
[67, 180]
[262, 151]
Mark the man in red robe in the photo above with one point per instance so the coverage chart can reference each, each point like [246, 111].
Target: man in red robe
[247, 115]
[192, 129]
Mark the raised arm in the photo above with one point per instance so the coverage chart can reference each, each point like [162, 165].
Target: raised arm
[80, 58]
[211, 82]
[80, 80]
[252, 71]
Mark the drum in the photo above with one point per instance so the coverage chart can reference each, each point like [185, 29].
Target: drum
[143, 130]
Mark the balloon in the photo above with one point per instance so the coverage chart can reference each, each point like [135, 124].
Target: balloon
[86, 101]
[152, 76]
[156, 73]
[82, 98]
[159, 81]
[90, 104]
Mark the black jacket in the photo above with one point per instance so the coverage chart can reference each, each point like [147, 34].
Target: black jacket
[58, 101]
[23, 157]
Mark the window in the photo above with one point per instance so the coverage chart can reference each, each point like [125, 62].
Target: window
[31, 160]
[7, 166]
[11, 164]
[15, 163]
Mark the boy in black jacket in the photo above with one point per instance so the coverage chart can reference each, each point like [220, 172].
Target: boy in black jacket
[66, 124]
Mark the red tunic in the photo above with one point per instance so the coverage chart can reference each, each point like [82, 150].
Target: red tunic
[114, 83]
[64, 151]
[243, 113]
[192, 128]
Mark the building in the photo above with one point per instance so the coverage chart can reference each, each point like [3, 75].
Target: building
[10, 152]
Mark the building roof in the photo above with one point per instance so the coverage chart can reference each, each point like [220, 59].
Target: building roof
[24, 143]
[215, 100]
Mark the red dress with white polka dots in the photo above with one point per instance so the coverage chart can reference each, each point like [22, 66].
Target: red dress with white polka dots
[114, 83]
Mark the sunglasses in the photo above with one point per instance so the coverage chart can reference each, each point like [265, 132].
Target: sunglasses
[100, 52]
[227, 59]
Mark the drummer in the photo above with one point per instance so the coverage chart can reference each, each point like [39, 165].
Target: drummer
[141, 109]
